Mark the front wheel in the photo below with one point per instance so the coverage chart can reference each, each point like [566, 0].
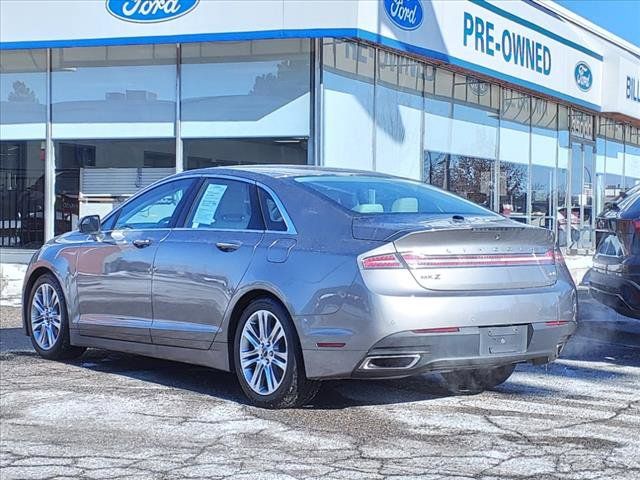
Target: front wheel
[49, 320]
[268, 358]
[469, 382]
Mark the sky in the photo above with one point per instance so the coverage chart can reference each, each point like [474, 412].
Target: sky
[621, 17]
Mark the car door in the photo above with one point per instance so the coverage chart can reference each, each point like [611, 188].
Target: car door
[198, 266]
[114, 268]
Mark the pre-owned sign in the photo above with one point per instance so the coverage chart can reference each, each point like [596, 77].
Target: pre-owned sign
[512, 47]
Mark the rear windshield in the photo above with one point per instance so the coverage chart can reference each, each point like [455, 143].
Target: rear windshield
[630, 201]
[379, 195]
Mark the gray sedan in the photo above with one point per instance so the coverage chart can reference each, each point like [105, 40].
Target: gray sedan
[291, 275]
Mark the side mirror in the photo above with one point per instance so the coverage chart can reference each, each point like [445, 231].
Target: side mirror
[90, 224]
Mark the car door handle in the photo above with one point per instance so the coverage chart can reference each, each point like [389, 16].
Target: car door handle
[228, 246]
[141, 243]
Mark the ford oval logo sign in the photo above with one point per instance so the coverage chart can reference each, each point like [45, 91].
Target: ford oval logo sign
[149, 11]
[583, 76]
[406, 14]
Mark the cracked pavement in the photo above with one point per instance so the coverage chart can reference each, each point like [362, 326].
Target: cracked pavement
[113, 415]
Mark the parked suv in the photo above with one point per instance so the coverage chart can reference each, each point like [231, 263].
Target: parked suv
[611, 206]
[615, 277]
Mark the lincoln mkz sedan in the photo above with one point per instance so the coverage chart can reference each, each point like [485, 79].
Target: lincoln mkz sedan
[288, 276]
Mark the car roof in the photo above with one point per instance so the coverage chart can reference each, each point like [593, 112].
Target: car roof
[282, 171]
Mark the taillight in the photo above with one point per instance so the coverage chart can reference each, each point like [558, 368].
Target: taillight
[381, 262]
[636, 226]
[417, 260]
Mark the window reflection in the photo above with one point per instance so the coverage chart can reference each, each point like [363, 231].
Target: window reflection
[348, 126]
[469, 177]
[461, 133]
[232, 89]
[515, 124]
[114, 92]
[544, 141]
[23, 94]
[632, 157]
[398, 115]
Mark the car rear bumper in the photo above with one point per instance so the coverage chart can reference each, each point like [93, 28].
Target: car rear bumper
[406, 353]
[442, 352]
[395, 338]
[617, 292]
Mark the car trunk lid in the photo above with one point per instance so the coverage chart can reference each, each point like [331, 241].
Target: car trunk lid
[476, 254]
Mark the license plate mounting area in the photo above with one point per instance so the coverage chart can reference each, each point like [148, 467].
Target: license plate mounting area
[503, 340]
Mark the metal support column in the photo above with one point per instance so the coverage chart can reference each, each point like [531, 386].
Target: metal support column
[178, 123]
[49, 164]
[314, 156]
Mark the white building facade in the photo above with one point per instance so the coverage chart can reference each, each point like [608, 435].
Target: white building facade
[519, 106]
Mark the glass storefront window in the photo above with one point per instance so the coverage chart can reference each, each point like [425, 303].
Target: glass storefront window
[22, 193]
[562, 177]
[515, 130]
[398, 122]
[23, 94]
[460, 140]
[114, 92]
[238, 89]
[632, 157]
[94, 176]
[348, 97]
[544, 150]
[213, 152]
[610, 148]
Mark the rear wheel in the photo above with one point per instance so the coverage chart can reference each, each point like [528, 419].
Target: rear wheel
[268, 358]
[49, 320]
[469, 382]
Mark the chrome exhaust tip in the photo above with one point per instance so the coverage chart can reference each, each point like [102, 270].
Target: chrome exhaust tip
[390, 362]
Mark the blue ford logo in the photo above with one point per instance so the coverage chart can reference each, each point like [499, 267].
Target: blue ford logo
[148, 11]
[406, 14]
[583, 76]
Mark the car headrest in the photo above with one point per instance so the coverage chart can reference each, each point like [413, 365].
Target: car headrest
[405, 205]
[369, 208]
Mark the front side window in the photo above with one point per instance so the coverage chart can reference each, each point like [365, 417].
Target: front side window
[155, 208]
[379, 195]
[226, 205]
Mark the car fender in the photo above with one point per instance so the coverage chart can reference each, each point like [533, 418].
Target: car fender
[60, 261]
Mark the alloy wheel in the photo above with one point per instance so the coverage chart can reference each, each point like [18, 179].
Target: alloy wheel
[263, 352]
[46, 318]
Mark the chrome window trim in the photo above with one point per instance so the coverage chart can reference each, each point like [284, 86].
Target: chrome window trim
[182, 229]
[291, 230]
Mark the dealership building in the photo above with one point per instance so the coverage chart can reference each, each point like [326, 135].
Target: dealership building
[520, 106]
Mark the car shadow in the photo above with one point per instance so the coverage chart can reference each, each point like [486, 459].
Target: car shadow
[336, 394]
[333, 395]
[14, 340]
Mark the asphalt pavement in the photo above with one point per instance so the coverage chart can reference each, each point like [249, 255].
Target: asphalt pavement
[113, 415]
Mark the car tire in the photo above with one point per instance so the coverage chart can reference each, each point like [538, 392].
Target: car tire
[268, 358]
[49, 320]
[471, 382]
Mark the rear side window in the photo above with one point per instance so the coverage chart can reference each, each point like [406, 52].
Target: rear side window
[380, 195]
[273, 217]
[226, 205]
